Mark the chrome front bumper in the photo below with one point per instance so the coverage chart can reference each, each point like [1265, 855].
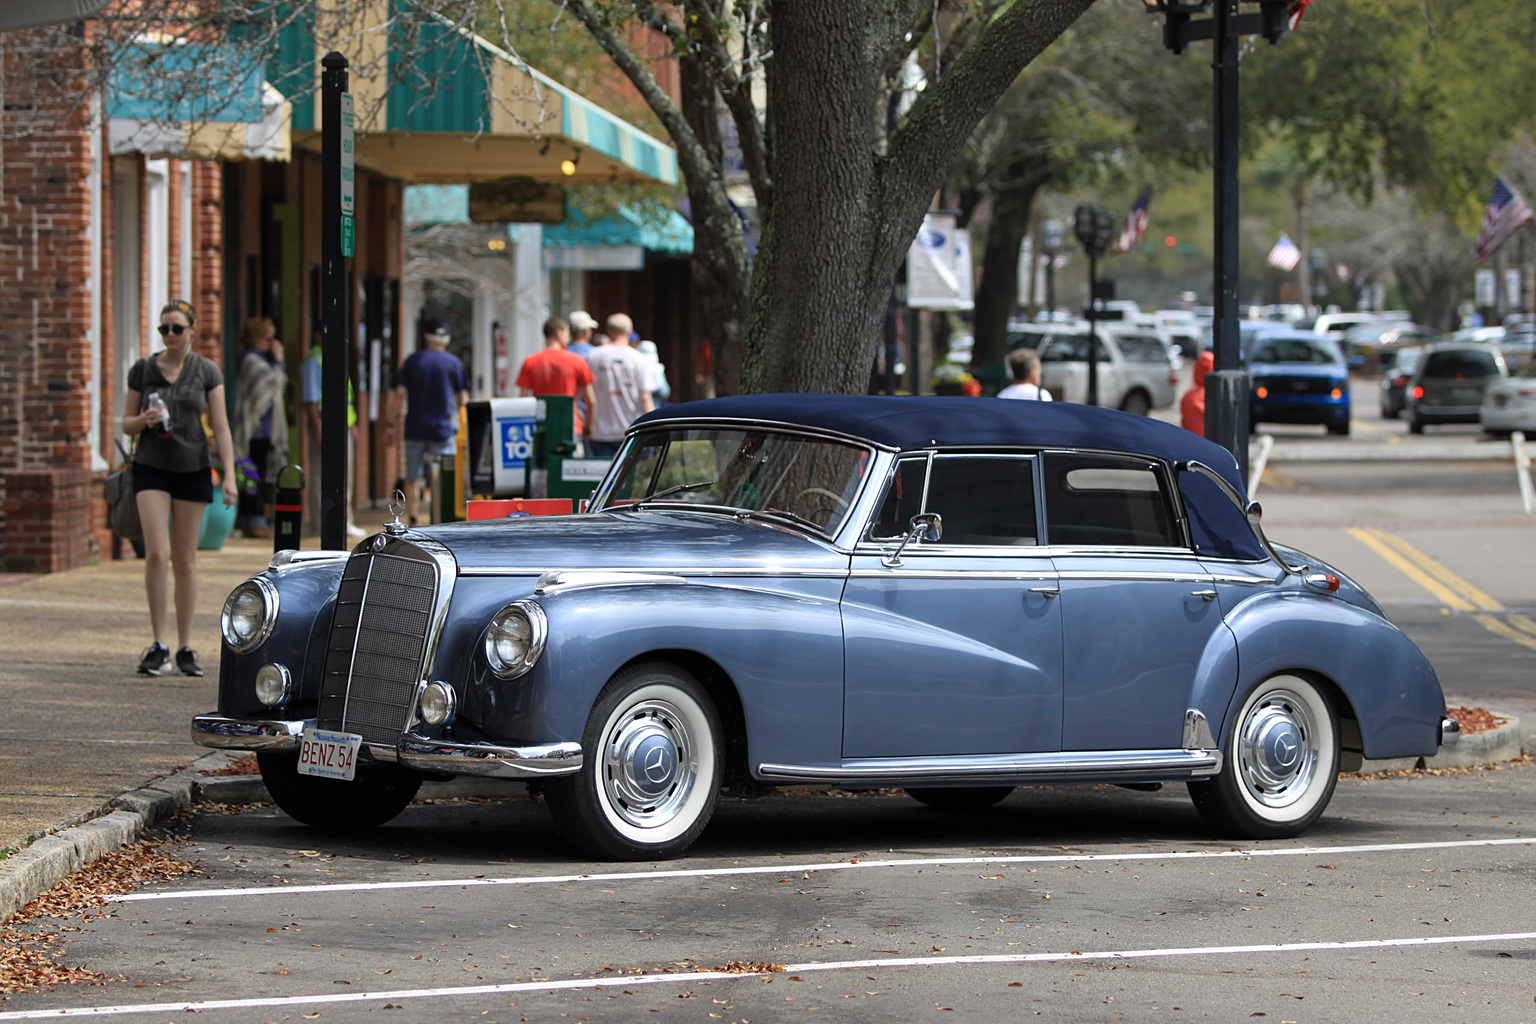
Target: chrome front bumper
[482, 759]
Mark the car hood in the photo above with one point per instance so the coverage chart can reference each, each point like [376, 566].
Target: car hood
[649, 539]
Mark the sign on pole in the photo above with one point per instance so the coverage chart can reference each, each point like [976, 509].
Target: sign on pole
[348, 176]
[939, 265]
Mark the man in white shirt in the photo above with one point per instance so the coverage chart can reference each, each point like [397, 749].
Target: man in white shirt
[621, 376]
[1025, 364]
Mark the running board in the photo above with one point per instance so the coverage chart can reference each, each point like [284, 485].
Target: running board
[1055, 766]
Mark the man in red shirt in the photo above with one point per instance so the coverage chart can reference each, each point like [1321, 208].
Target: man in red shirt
[554, 371]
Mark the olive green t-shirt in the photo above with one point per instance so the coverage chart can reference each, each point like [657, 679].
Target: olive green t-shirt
[186, 450]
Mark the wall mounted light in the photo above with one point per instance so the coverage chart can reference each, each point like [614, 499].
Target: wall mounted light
[568, 167]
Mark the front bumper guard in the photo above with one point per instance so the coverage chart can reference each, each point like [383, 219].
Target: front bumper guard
[417, 752]
[1450, 732]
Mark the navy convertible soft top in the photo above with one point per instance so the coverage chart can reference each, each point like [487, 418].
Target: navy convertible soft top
[906, 423]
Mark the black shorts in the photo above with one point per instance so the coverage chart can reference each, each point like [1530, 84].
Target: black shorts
[194, 486]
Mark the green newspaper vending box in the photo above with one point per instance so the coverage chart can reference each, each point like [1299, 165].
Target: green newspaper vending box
[554, 471]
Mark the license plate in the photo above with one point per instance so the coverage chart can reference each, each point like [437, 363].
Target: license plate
[329, 755]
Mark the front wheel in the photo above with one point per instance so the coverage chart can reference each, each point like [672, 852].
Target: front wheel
[379, 792]
[1415, 425]
[653, 762]
[1281, 763]
[1340, 427]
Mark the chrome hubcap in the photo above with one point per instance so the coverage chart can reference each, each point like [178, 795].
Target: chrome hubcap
[1277, 749]
[649, 768]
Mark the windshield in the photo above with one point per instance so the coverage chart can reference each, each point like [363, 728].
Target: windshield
[1295, 350]
[809, 479]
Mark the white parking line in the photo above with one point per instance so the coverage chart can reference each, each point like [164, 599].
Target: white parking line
[836, 865]
[635, 981]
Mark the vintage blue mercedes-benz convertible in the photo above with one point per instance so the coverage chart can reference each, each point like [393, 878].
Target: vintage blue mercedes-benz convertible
[952, 596]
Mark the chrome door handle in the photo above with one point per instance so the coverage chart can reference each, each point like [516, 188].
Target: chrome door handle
[1209, 595]
[1047, 591]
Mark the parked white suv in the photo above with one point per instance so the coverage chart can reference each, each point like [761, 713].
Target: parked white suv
[1137, 365]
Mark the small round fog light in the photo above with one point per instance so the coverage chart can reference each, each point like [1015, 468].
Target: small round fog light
[274, 684]
[436, 703]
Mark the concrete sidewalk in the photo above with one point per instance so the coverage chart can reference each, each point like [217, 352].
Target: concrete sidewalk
[81, 726]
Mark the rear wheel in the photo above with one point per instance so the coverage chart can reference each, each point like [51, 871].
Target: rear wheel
[1280, 766]
[1415, 424]
[379, 792]
[961, 801]
[653, 763]
[1136, 403]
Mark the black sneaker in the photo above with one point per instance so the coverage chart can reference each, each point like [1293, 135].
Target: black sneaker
[157, 660]
[186, 662]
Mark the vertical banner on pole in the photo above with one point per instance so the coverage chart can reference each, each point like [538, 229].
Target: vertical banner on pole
[348, 177]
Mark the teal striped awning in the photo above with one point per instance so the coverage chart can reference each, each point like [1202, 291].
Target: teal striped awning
[462, 110]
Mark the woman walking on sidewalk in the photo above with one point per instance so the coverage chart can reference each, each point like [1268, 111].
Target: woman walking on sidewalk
[172, 481]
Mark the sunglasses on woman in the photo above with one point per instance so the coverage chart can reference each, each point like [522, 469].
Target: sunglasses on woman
[171, 329]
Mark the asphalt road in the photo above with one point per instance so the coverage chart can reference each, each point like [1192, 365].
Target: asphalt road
[1414, 898]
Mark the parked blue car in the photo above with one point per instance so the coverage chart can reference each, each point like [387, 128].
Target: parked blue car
[952, 596]
[1299, 378]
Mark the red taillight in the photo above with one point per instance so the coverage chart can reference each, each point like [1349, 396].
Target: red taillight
[1401, 382]
[1418, 392]
[1332, 582]
[1173, 376]
[1527, 392]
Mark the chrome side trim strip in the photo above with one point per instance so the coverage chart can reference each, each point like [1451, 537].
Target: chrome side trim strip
[950, 574]
[569, 579]
[1065, 766]
[223, 733]
[1242, 581]
[484, 759]
[653, 573]
[1127, 575]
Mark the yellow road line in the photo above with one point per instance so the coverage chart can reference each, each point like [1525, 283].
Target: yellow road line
[1440, 572]
[1447, 587]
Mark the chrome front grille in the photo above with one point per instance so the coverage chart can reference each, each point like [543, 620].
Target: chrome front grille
[385, 610]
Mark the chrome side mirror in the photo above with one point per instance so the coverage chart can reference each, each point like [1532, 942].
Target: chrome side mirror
[926, 526]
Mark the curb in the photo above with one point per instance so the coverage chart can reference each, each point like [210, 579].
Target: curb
[1479, 748]
[1381, 451]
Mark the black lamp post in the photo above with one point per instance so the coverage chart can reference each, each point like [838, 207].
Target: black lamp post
[1226, 389]
[1094, 227]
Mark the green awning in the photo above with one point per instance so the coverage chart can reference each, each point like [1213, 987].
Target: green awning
[672, 234]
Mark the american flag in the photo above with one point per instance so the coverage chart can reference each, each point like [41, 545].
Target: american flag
[1505, 214]
[1284, 255]
[1135, 223]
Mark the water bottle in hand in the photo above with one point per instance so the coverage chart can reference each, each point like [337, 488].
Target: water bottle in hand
[155, 406]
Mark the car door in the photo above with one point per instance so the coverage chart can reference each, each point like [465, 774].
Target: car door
[1139, 612]
[955, 649]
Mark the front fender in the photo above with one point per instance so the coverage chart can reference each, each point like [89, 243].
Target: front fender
[779, 643]
[1391, 687]
[306, 599]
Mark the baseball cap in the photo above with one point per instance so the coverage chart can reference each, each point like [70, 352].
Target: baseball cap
[433, 325]
[581, 320]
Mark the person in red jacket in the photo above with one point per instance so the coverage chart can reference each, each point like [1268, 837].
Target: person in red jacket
[1192, 405]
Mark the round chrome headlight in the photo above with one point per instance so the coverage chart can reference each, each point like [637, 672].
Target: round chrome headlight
[437, 702]
[274, 684]
[515, 638]
[250, 612]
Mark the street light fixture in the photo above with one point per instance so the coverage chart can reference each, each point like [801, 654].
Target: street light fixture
[1094, 228]
[1226, 387]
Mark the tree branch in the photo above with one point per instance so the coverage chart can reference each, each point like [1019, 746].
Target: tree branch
[736, 90]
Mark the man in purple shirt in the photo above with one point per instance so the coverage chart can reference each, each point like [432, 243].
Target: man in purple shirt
[433, 386]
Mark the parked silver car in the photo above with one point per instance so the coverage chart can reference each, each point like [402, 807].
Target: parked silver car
[1137, 365]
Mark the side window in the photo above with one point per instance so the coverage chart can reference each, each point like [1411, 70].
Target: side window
[903, 500]
[987, 501]
[1106, 500]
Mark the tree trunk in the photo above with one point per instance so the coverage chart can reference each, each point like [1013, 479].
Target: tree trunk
[719, 272]
[998, 293]
[815, 305]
